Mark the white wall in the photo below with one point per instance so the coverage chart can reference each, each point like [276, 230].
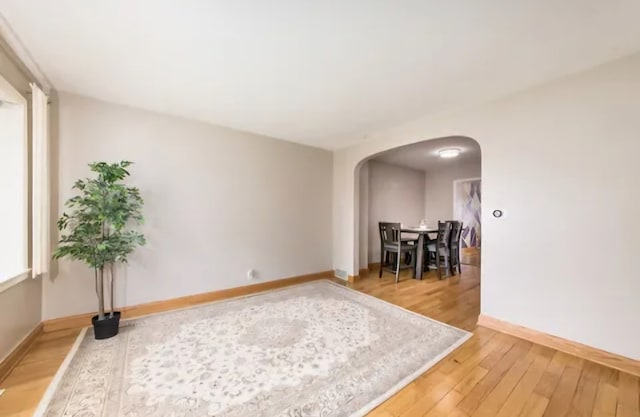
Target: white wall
[396, 194]
[561, 160]
[438, 204]
[217, 202]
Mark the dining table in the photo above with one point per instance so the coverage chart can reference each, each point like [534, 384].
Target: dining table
[423, 233]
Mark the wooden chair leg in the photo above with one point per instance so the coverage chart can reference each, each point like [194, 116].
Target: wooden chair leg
[454, 261]
[381, 263]
[447, 264]
[438, 263]
[415, 263]
[397, 267]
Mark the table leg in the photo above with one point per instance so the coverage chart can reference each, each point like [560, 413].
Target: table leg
[419, 256]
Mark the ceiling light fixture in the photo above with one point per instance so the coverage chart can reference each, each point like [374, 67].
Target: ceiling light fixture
[449, 153]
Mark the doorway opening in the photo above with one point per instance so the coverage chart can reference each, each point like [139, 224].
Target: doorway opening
[422, 188]
[467, 201]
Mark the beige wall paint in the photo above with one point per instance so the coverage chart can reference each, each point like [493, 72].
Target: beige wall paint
[20, 305]
[438, 193]
[218, 202]
[396, 194]
[561, 161]
[20, 309]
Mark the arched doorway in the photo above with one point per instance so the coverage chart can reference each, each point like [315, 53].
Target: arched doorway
[422, 183]
[387, 186]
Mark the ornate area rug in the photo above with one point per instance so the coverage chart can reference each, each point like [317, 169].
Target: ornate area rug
[315, 349]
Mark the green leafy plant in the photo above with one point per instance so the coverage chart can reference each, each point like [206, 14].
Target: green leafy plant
[98, 227]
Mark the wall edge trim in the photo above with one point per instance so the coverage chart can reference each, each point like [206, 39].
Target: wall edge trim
[611, 360]
[82, 320]
[19, 351]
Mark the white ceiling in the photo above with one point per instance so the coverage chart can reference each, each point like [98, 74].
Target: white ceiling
[322, 73]
[424, 156]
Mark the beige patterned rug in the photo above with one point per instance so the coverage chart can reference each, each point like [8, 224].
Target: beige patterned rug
[316, 349]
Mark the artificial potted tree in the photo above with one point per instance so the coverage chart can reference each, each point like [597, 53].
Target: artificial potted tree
[99, 229]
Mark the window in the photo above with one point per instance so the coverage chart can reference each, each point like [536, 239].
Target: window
[13, 185]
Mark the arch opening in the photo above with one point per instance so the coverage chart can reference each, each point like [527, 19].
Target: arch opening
[419, 184]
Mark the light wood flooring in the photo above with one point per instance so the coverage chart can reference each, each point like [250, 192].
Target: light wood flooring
[470, 256]
[493, 374]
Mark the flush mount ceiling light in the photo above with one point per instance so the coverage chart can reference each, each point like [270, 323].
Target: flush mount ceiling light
[449, 153]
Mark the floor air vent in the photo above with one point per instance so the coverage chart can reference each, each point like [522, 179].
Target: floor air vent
[339, 273]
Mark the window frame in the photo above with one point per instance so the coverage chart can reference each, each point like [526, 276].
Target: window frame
[8, 91]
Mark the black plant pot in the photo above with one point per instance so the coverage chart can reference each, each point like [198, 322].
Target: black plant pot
[104, 329]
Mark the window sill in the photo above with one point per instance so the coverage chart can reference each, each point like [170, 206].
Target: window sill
[14, 280]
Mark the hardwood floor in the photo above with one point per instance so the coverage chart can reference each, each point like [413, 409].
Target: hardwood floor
[493, 374]
[470, 256]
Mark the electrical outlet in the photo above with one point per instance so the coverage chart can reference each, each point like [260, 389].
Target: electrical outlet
[251, 274]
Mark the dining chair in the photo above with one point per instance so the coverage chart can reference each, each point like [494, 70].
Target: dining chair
[391, 243]
[408, 256]
[454, 246]
[438, 250]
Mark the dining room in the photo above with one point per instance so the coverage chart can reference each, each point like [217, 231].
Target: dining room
[420, 210]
